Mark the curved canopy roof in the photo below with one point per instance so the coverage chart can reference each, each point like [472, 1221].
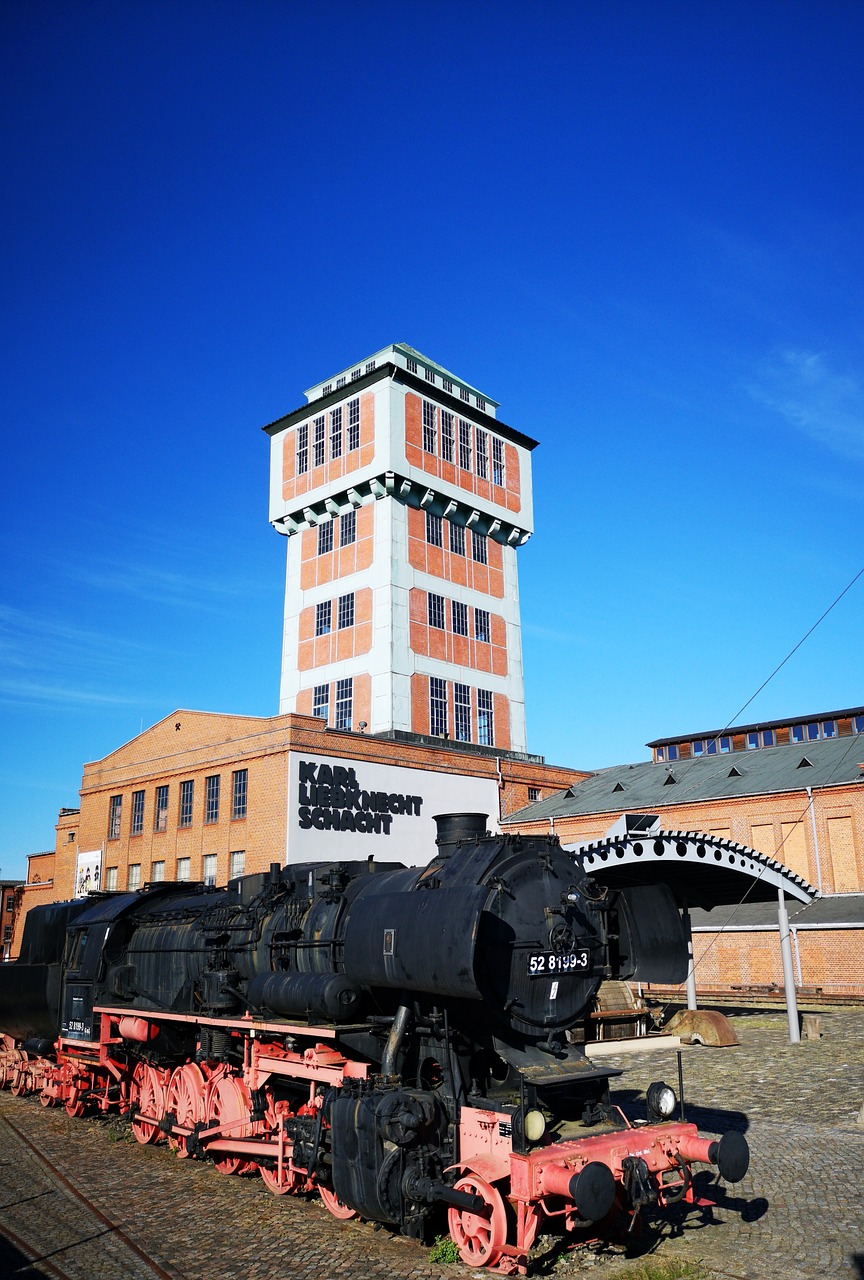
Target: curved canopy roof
[701, 870]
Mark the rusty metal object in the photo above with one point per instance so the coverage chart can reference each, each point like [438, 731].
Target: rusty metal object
[702, 1026]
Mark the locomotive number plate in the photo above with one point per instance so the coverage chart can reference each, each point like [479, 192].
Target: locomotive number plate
[541, 963]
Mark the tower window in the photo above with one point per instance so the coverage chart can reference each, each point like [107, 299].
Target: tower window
[336, 433]
[478, 548]
[344, 703]
[464, 445]
[323, 618]
[462, 712]
[481, 624]
[446, 435]
[325, 537]
[353, 424]
[437, 707]
[411, 364]
[497, 461]
[318, 442]
[463, 392]
[457, 538]
[434, 531]
[321, 701]
[303, 449]
[347, 528]
[460, 618]
[435, 610]
[430, 376]
[428, 427]
[482, 441]
[346, 611]
[485, 722]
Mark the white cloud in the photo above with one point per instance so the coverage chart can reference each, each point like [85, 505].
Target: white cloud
[824, 405]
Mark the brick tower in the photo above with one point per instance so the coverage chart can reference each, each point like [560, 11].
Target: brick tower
[403, 498]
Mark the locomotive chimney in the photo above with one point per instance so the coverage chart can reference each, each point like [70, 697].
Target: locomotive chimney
[453, 827]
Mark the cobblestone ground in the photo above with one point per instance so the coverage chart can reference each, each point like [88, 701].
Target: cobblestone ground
[797, 1215]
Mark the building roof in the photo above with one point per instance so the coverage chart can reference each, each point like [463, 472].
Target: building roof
[651, 784]
[833, 910]
[842, 714]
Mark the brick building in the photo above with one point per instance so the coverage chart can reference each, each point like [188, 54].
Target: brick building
[9, 906]
[791, 789]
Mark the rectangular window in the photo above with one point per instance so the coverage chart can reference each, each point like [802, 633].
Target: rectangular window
[346, 611]
[111, 879]
[435, 610]
[464, 445]
[318, 441]
[187, 796]
[457, 538]
[497, 461]
[485, 725]
[347, 528]
[448, 385]
[353, 424]
[340, 382]
[829, 728]
[725, 743]
[412, 364]
[478, 548]
[239, 792]
[767, 737]
[463, 392]
[673, 752]
[114, 815]
[184, 868]
[534, 794]
[428, 427]
[157, 872]
[321, 701]
[462, 712]
[370, 365]
[133, 877]
[160, 815]
[336, 433]
[430, 376]
[355, 374]
[711, 746]
[137, 812]
[482, 443]
[698, 747]
[237, 862]
[481, 624]
[797, 734]
[303, 449]
[208, 868]
[460, 618]
[446, 435]
[323, 618]
[344, 703]
[211, 798]
[434, 531]
[325, 390]
[813, 731]
[752, 740]
[325, 537]
[437, 707]
[858, 724]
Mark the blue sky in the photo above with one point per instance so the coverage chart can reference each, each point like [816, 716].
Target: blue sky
[636, 225]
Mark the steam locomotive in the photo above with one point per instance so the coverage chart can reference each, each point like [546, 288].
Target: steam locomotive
[393, 1038]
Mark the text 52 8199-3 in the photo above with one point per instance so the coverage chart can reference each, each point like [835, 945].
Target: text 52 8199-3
[541, 963]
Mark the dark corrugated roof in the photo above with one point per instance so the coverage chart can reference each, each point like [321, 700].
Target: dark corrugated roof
[833, 909]
[651, 785]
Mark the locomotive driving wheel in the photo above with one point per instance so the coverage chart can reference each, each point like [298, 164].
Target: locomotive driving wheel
[185, 1102]
[479, 1236]
[337, 1207]
[228, 1105]
[147, 1098]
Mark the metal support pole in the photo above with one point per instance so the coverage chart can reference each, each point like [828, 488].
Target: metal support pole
[788, 974]
[691, 968]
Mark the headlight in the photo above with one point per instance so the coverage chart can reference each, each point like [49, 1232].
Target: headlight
[661, 1101]
[535, 1125]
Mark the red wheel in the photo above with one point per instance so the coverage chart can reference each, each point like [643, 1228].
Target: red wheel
[74, 1106]
[291, 1180]
[480, 1236]
[185, 1101]
[147, 1097]
[336, 1206]
[228, 1105]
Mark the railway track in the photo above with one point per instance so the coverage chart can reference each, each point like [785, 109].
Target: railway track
[49, 1227]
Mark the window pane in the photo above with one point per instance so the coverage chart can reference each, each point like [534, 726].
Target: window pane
[767, 737]
[344, 703]
[160, 817]
[672, 753]
[133, 879]
[184, 867]
[829, 728]
[111, 878]
[462, 712]
[353, 425]
[157, 872]
[322, 618]
[478, 547]
[497, 461]
[752, 740]
[435, 610]
[321, 701]
[481, 439]
[187, 793]
[114, 816]
[485, 723]
[336, 433]
[460, 618]
[325, 537]
[457, 538]
[347, 528]
[318, 442]
[208, 868]
[346, 611]
[429, 427]
[434, 532]
[137, 812]
[239, 791]
[446, 436]
[303, 449]
[464, 445]
[797, 733]
[481, 624]
[812, 731]
[437, 706]
[211, 798]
